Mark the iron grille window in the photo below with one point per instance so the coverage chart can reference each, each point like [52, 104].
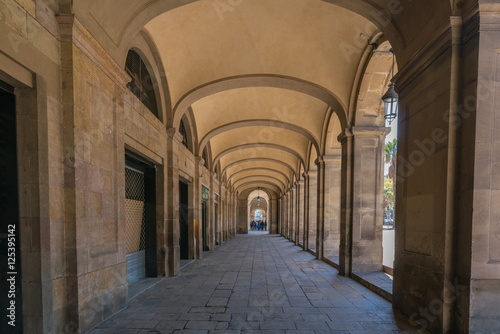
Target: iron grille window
[142, 83]
[182, 130]
[134, 211]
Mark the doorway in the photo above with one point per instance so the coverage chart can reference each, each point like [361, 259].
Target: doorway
[140, 218]
[183, 220]
[10, 253]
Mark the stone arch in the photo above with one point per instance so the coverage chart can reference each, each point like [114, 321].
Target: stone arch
[259, 80]
[375, 78]
[261, 169]
[144, 45]
[278, 147]
[208, 158]
[386, 16]
[261, 122]
[189, 126]
[259, 159]
[263, 177]
[150, 82]
[251, 184]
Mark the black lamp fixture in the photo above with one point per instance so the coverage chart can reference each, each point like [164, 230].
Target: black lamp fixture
[258, 197]
[391, 98]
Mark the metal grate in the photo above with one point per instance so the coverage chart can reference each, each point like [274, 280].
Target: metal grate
[134, 210]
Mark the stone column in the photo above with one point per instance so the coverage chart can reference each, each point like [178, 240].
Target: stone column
[320, 205]
[272, 221]
[313, 212]
[172, 247]
[226, 215]
[211, 214]
[364, 215]
[218, 237]
[333, 164]
[297, 213]
[300, 210]
[243, 216]
[291, 232]
[306, 211]
[196, 238]
[346, 204]
[229, 213]
[477, 245]
[235, 215]
[231, 216]
[285, 216]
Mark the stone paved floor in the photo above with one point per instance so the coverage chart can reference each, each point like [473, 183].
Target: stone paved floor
[257, 284]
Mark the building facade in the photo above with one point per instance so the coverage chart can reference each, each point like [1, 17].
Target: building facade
[135, 134]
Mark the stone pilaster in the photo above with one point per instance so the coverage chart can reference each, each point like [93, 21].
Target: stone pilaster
[297, 213]
[306, 212]
[272, 221]
[479, 212]
[445, 179]
[195, 237]
[363, 197]
[281, 216]
[346, 205]
[300, 210]
[172, 248]
[211, 214]
[332, 210]
[320, 206]
[313, 212]
[293, 216]
[285, 215]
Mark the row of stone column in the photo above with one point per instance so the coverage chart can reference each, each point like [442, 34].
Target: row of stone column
[336, 211]
[216, 232]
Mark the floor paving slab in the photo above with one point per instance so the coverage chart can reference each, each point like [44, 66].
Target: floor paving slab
[257, 284]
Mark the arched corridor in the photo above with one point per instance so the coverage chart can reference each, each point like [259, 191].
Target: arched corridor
[139, 138]
[258, 284]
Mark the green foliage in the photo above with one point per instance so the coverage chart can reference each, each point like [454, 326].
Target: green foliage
[391, 149]
[389, 193]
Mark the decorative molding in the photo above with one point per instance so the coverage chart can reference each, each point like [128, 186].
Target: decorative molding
[139, 148]
[16, 74]
[370, 131]
[435, 47]
[73, 31]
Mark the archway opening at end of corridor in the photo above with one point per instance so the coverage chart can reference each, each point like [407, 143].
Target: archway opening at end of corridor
[258, 211]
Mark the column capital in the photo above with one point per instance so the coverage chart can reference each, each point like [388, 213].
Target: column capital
[172, 133]
[370, 131]
[305, 175]
[344, 136]
[199, 160]
[319, 161]
[312, 173]
[333, 158]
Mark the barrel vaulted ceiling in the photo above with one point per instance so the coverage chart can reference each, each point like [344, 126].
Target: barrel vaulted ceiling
[269, 82]
[259, 132]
